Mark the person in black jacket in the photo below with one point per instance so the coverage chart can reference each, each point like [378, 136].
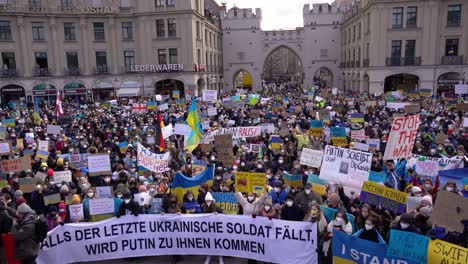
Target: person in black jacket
[406, 224]
[5, 226]
[370, 231]
[128, 206]
[291, 211]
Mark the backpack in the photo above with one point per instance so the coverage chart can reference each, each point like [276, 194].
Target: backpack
[41, 229]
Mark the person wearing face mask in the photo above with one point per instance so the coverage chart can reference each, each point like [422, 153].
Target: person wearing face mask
[271, 179]
[291, 211]
[107, 181]
[421, 219]
[189, 204]
[89, 195]
[267, 210]
[306, 198]
[406, 224]
[75, 200]
[133, 185]
[278, 194]
[202, 191]
[370, 231]
[53, 220]
[62, 212]
[37, 198]
[260, 167]
[218, 180]
[339, 223]
[128, 207]
[393, 179]
[251, 205]
[209, 206]
[315, 215]
[451, 186]
[427, 185]
[24, 235]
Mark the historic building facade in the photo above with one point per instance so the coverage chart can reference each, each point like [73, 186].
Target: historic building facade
[106, 48]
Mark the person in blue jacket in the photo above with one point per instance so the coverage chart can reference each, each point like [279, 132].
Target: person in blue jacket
[278, 194]
[190, 204]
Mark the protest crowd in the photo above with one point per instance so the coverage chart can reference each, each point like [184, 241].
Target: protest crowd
[366, 167]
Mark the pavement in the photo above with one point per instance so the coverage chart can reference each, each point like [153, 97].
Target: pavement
[169, 260]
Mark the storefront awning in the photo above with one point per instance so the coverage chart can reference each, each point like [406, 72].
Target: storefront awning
[129, 92]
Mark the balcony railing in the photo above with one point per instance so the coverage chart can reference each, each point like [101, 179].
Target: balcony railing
[41, 72]
[365, 63]
[72, 71]
[452, 60]
[101, 70]
[8, 73]
[353, 64]
[358, 64]
[405, 61]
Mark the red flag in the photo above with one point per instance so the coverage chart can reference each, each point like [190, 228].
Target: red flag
[59, 104]
[9, 246]
[159, 135]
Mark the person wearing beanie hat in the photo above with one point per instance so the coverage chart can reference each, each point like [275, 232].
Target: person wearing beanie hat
[209, 206]
[426, 201]
[44, 166]
[406, 224]
[50, 173]
[19, 201]
[128, 206]
[267, 210]
[18, 194]
[62, 212]
[24, 235]
[278, 194]
[416, 191]
[291, 211]
[53, 220]
[307, 197]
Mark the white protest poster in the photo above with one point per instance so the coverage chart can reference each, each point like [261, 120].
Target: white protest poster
[358, 134]
[373, 143]
[212, 111]
[236, 132]
[444, 163]
[465, 122]
[158, 97]
[396, 105]
[182, 129]
[163, 107]
[206, 125]
[5, 147]
[53, 130]
[402, 136]
[311, 158]
[101, 206]
[99, 164]
[361, 146]
[167, 131]
[412, 202]
[104, 192]
[210, 95]
[202, 234]
[62, 176]
[142, 198]
[152, 161]
[43, 145]
[461, 89]
[30, 138]
[41, 175]
[345, 166]
[427, 168]
[76, 212]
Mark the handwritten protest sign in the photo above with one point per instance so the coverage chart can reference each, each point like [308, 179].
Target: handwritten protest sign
[27, 185]
[427, 168]
[42, 150]
[62, 176]
[439, 251]
[209, 95]
[167, 131]
[444, 163]
[99, 164]
[402, 136]
[315, 132]
[449, 210]
[236, 132]
[358, 135]
[104, 192]
[101, 206]
[292, 180]
[52, 199]
[250, 182]
[408, 245]
[379, 195]
[311, 158]
[53, 130]
[76, 212]
[324, 115]
[16, 165]
[227, 202]
[345, 166]
[5, 148]
[412, 109]
[152, 161]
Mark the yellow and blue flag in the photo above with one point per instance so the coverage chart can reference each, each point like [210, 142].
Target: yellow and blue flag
[151, 105]
[10, 122]
[182, 183]
[194, 122]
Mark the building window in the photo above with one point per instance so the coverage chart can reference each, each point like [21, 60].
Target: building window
[410, 52]
[198, 29]
[129, 59]
[170, 2]
[451, 47]
[454, 15]
[354, 33]
[72, 60]
[41, 60]
[160, 3]
[101, 62]
[162, 56]
[397, 17]
[67, 3]
[198, 56]
[35, 3]
[99, 34]
[411, 16]
[5, 30]
[206, 37]
[38, 31]
[396, 52]
[359, 31]
[8, 60]
[173, 56]
[69, 31]
[127, 31]
[171, 27]
[160, 30]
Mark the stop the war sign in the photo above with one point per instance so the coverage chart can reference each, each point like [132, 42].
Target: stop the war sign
[402, 136]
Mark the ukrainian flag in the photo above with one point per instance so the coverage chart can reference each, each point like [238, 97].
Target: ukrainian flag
[151, 105]
[9, 122]
[182, 183]
[194, 122]
[37, 119]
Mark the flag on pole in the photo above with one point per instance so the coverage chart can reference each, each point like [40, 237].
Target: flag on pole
[59, 104]
[159, 135]
[194, 122]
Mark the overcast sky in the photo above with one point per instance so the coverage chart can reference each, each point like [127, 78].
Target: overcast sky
[277, 14]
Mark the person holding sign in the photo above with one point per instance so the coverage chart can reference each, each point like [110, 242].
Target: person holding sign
[190, 205]
[129, 206]
[252, 204]
[370, 231]
[339, 223]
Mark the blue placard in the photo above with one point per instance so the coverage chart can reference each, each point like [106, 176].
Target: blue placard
[377, 176]
[408, 245]
[316, 123]
[329, 214]
[338, 132]
[313, 178]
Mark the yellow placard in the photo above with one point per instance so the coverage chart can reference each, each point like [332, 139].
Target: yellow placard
[315, 132]
[439, 251]
[319, 189]
[377, 189]
[250, 182]
[3, 183]
[339, 141]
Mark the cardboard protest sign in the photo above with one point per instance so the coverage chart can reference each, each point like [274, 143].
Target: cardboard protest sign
[99, 164]
[412, 109]
[359, 135]
[427, 168]
[209, 95]
[449, 211]
[379, 195]
[439, 251]
[441, 138]
[53, 130]
[76, 212]
[224, 151]
[52, 199]
[324, 115]
[16, 165]
[402, 137]
[227, 202]
[5, 148]
[101, 206]
[206, 147]
[62, 176]
[462, 107]
[311, 158]
[345, 166]
[250, 182]
[292, 180]
[27, 185]
[408, 245]
[315, 132]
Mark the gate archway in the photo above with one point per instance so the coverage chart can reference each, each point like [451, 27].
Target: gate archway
[283, 65]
